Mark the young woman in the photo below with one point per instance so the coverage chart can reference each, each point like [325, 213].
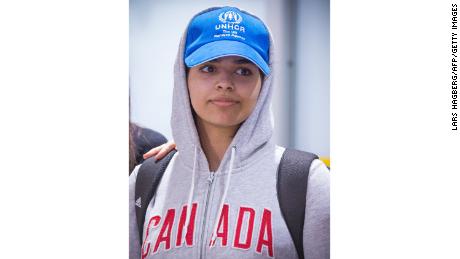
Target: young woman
[217, 197]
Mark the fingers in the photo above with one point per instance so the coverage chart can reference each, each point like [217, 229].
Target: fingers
[165, 149]
[152, 152]
[160, 151]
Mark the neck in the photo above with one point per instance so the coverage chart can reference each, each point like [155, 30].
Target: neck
[215, 141]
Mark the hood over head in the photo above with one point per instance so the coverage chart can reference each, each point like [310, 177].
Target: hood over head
[257, 130]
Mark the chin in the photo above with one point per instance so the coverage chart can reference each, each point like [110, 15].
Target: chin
[221, 120]
[221, 124]
[225, 123]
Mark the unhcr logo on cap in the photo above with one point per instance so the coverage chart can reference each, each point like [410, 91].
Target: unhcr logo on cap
[230, 17]
[230, 23]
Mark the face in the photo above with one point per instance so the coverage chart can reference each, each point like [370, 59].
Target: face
[224, 91]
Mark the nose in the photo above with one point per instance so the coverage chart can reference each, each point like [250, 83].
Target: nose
[225, 82]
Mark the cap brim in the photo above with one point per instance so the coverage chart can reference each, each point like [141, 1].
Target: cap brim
[223, 48]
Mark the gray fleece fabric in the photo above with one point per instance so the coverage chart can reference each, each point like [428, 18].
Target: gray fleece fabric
[181, 218]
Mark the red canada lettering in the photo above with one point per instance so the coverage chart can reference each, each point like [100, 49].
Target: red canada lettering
[266, 229]
[247, 243]
[190, 228]
[155, 220]
[165, 232]
[223, 221]
[242, 236]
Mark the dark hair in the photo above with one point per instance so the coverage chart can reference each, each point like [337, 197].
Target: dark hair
[132, 147]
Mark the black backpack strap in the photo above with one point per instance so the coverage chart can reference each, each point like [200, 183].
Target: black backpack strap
[147, 181]
[292, 191]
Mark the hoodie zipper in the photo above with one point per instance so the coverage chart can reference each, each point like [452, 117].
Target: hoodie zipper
[203, 241]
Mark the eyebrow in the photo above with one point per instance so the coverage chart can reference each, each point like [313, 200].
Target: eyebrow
[238, 61]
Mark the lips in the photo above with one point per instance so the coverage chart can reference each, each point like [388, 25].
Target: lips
[223, 101]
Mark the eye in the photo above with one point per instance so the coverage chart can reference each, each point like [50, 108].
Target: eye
[242, 71]
[207, 69]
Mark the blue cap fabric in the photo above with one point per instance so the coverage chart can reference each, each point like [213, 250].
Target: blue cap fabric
[227, 31]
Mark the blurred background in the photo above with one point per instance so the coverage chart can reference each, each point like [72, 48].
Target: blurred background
[301, 95]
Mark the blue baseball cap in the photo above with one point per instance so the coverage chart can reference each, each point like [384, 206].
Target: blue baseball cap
[227, 31]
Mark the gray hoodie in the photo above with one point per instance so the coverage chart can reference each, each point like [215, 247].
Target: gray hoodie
[232, 212]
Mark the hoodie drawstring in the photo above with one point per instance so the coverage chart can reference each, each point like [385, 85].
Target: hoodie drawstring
[190, 195]
[192, 189]
[221, 205]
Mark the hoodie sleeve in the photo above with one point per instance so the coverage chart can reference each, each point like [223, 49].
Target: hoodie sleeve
[134, 242]
[316, 226]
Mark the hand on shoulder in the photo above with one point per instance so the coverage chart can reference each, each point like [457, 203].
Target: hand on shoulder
[160, 151]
